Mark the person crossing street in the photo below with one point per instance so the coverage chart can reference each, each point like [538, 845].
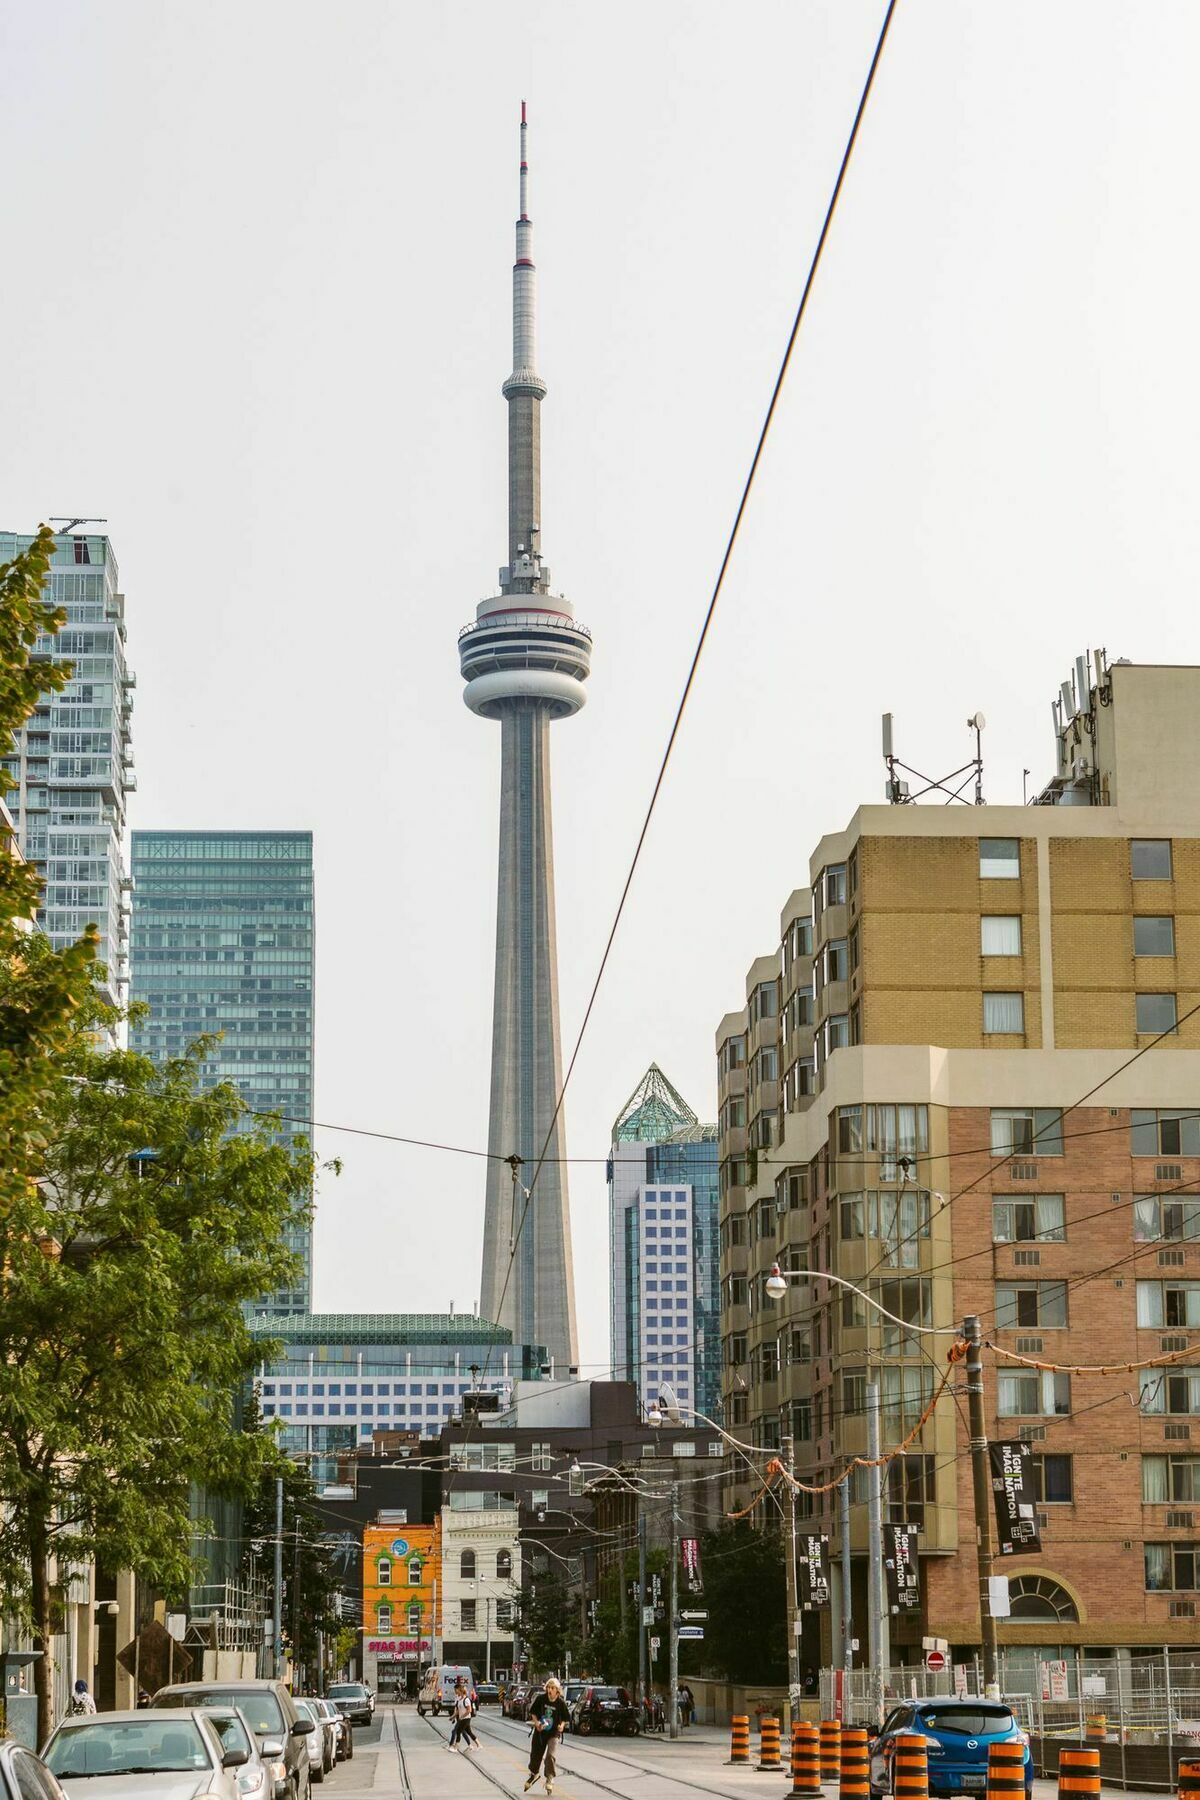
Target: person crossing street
[549, 1716]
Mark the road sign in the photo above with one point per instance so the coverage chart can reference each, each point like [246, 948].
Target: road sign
[690, 1631]
[694, 1615]
[935, 1661]
[647, 1615]
[654, 1644]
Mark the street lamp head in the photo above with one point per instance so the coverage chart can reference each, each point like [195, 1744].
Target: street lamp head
[667, 1405]
[654, 1416]
[776, 1283]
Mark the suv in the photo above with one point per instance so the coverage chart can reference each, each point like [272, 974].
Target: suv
[352, 1701]
[605, 1709]
[957, 1735]
[268, 1709]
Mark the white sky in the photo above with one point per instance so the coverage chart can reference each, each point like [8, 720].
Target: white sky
[256, 311]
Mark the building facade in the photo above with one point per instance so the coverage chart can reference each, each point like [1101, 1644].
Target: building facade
[73, 766]
[343, 1377]
[662, 1177]
[223, 943]
[985, 1032]
[481, 1575]
[401, 1570]
[524, 660]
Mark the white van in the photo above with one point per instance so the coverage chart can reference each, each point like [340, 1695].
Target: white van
[437, 1689]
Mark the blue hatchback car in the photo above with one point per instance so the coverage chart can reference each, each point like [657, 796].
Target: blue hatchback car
[957, 1733]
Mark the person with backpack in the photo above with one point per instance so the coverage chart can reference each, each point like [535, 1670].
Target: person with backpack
[81, 1700]
[548, 1715]
[463, 1711]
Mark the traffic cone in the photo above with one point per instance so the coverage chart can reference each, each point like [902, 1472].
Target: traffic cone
[806, 1760]
[1079, 1773]
[855, 1779]
[831, 1749]
[1189, 1779]
[1006, 1771]
[768, 1743]
[739, 1741]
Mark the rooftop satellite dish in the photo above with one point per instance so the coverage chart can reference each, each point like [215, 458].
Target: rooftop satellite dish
[977, 721]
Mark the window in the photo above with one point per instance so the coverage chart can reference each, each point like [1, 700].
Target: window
[1154, 1013]
[898, 1220]
[1023, 1219]
[999, 859]
[1168, 1304]
[483, 1456]
[1038, 1597]
[383, 1617]
[899, 1133]
[503, 1565]
[1000, 935]
[905, 1393]
[1150, 859]
[1154, 935]
[910, 1484]
[1032, 1394]
[1170, 1478]
[383, 1571]
[539, 1458]
[1003, 1014]
[1170, 1390]
[854, 1393]
[1172, 1568]
[504, 1615]
[837, 1032]
[1155, 1216]
[466, 1565]
[1027, 1131]
[1036, 1305]
[540, 1498]
[834, 882]
[1164, 1133]
[1053, 1480]
[837, 961]
[908, 1299]
[850, 1130]
[467, 1608]
[414, 1619]
[414, 1571]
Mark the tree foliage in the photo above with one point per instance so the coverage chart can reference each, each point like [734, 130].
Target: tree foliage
[157, 1211]
[549, 1623]
[311, 1587]
[744, 1581]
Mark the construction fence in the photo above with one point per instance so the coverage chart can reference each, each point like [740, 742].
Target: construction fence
[1141, 1712]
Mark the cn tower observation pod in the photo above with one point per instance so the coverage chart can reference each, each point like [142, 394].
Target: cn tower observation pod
[525, 647]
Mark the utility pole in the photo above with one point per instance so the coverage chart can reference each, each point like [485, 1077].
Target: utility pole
[278, 1620]
[981, 1481]
[793, 1585]
[641, 1601]
[296, 1592]
[877, 1621]
[847, 1604]
[673, 1698]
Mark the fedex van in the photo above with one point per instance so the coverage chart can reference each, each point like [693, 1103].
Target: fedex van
[437, 1689]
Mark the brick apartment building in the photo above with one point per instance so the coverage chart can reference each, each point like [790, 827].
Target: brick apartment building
[930, 1092]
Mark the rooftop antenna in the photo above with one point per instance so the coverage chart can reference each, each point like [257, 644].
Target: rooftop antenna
[68, 525]
[898, 793]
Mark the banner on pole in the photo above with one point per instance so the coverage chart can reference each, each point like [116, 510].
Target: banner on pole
[1012, 1492]
[812, 1571]
[903, 1569]
[689, 1550]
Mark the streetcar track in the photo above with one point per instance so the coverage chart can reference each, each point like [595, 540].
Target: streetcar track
[404, 1779]
[699, 1787]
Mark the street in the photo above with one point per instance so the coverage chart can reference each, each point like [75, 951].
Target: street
[403, 1757]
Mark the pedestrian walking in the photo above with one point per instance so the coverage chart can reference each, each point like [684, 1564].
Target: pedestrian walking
[549, 1715]
[81, 1700]
[687, 1704]
[462, 1711]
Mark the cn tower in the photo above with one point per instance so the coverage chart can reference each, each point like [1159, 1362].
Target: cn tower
[525, 660]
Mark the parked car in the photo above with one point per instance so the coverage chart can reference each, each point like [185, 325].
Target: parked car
[487, 1694]
[437, 1689]
[261, 1777]
[175, 1754]
[572, 1691]
[271, 1713]
[958, 1733]
[23, 1773]
[343, 1729]
[352, 1701]
[322, 1746]
[605, 1709]
[516, 1701]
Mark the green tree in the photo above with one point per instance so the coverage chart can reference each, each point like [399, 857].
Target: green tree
[549, 1616]
[157, 1210]
[744, 1580]
[311, 1588]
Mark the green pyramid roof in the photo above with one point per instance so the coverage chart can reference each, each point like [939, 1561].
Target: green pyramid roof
[652, 1112]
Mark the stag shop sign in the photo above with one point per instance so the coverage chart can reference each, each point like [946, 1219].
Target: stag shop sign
[398, 1649]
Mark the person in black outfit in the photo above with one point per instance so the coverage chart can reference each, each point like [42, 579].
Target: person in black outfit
[549, 1715]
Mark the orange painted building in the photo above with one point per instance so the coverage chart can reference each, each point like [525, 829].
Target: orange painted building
[401, 1569]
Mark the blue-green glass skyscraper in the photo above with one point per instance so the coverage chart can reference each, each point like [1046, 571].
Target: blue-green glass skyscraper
[222, 941]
